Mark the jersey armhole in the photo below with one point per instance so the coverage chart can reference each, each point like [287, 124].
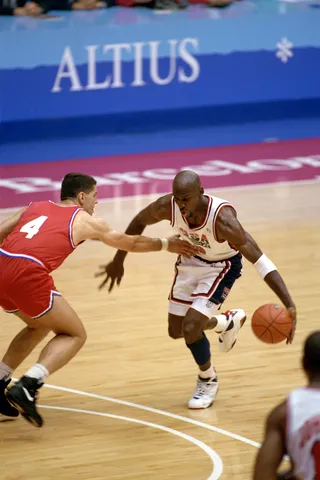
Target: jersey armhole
[172, 212]
[71, 226]
[218, 210]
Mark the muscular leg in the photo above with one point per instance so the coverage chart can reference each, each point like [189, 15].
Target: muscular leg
[175, 326]
[69, 337]
[191, 327]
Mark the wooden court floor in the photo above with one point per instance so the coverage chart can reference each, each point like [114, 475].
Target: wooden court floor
[123, 414]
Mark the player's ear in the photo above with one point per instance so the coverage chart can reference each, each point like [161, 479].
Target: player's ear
[201, 190]
[81, 197]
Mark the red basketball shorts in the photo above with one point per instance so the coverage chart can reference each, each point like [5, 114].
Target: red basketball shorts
[25, 285]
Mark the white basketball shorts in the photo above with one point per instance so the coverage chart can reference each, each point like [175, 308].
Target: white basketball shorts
[202, 285]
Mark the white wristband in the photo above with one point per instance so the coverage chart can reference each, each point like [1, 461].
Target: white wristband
[264, 266]
[165, 243]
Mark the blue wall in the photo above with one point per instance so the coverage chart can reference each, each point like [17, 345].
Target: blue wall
[128, 68]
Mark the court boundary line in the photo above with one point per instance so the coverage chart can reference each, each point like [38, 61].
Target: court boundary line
[214, 456]
[145, 196]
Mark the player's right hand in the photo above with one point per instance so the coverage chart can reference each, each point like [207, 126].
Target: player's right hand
[182, 247]
[113, 271]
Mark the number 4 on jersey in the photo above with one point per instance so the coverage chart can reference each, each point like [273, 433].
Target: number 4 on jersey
[33, 227]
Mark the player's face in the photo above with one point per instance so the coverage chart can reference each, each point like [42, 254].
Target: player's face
[187, 201]
[90, 201]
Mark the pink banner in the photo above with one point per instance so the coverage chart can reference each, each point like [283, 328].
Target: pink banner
[140, 174]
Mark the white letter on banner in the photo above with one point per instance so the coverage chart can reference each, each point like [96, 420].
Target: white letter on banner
[117, 67]
[208, 170]
[312, 161]
[70, 72]
[92, 82]
[92, 67]
[274, 164]
[138, 65]
[30, 184]
[116, 62]
[127, 177]
[236, 167]
[160, 173]
[190, 60]
[154, 63]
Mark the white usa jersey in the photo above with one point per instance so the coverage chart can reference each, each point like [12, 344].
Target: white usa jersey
[205, 235]
[303, 432]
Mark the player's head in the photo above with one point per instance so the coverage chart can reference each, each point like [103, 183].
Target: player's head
[187, 192]
[311, 356]
[82, 189]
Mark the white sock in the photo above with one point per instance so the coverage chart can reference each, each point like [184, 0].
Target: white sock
[5, 371]
[210, 373]
[39, 372]
[222, 323]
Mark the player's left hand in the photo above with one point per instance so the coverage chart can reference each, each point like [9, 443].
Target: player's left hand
[293, 314]
[182, 247]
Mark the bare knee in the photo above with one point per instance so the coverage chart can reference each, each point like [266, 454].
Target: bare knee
[80, 337]
[191, 331]
[78, 334]
[193, 325]
[83, 337]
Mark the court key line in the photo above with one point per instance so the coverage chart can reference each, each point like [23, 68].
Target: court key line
[158, 412]
[217, 464]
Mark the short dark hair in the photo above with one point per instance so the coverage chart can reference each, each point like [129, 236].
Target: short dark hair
[311, 353]
[74, 183]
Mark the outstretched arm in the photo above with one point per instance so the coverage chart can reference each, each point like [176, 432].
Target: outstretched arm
[230, 229]
[8, 225]
[273, 449]
[86, 227]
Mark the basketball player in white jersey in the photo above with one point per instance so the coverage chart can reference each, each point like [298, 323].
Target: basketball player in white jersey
[293, 427]
[202, 283]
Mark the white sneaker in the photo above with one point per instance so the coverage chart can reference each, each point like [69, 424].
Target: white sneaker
[228, 338]
[205, 394]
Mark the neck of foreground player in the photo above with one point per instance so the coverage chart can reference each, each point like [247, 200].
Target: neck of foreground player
[68, 203]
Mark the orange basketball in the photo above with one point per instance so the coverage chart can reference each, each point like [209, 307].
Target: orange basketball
[271, 323]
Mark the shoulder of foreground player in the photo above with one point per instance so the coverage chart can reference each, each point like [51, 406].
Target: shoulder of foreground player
[86, 227]
[277, 418]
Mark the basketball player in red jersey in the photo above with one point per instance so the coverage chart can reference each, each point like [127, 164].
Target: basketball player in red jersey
[34, 242]
[293, 427]
[202, 283]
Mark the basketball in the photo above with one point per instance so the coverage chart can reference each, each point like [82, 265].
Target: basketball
[271, 323]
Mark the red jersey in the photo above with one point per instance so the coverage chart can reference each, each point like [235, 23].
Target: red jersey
[43, 234]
